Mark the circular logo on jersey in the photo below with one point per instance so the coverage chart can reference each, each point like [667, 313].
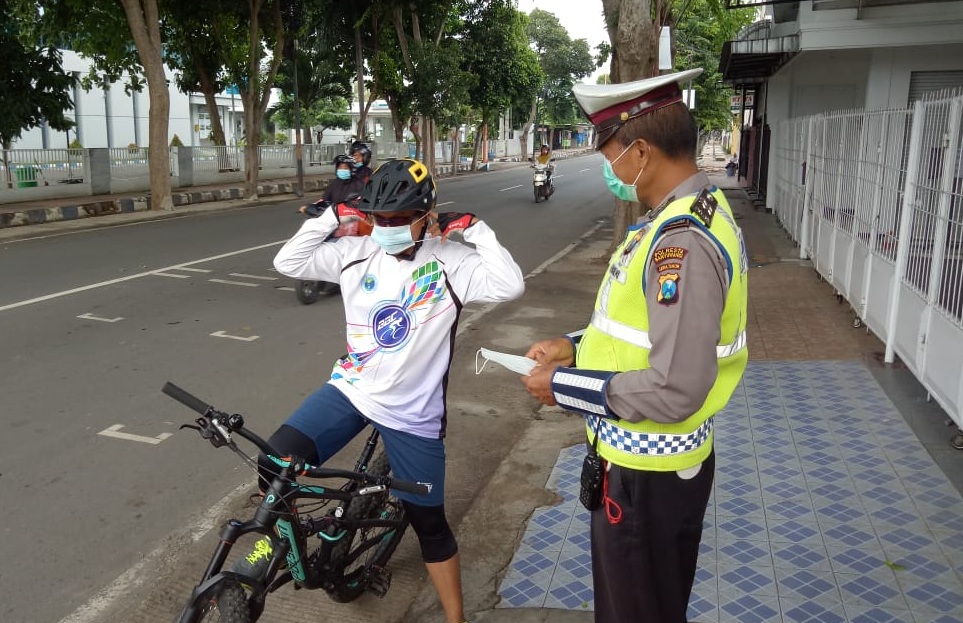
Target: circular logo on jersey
[668, 289]
[391, 325]
[369, 283]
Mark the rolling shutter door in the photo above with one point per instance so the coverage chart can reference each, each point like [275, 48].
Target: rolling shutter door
[922, 82]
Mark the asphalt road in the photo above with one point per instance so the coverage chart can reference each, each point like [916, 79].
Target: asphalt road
[93, 472]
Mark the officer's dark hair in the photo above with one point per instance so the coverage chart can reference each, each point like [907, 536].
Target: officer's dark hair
[672, 129]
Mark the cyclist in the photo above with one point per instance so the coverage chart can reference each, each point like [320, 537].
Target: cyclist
[403, 288]
[362, 158]
[347, 183]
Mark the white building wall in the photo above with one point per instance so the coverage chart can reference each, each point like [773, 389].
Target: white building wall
[114, 118]
[890, 70]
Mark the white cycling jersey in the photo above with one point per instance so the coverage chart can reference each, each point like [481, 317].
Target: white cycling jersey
[401, 314]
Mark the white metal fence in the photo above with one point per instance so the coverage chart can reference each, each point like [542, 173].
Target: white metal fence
[875, 199]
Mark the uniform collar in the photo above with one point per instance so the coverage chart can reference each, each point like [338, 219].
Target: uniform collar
[692, 185]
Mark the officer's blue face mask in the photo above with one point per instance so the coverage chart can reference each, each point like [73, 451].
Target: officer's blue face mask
[343, 174]
[625, 192]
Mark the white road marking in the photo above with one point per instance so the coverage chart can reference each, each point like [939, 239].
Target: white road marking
[234, 337]
[438, 205]
[246, 276]
[114, 431]
[193, 270]
[89, 316]
[111, 282]
[160, 274]
[509, 188]
[285, 288]
[584, 170]
[235, 283]
[558, 176]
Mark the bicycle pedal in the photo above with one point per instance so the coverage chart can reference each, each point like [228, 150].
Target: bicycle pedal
[378, 581]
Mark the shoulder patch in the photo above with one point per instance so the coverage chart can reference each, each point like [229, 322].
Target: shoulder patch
[668, 289]
[704, 207]
[668, 253]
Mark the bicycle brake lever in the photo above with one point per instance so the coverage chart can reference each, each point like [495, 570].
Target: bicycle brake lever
[190, 426]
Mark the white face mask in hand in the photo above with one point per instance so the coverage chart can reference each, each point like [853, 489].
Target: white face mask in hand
[515, 363]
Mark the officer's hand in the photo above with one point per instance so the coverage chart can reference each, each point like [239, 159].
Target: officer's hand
[445, 223]
[314, 210]
[538, 382]
[557, 351]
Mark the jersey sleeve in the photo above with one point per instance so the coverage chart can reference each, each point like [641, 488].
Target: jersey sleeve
[487, 273]
[311, 253]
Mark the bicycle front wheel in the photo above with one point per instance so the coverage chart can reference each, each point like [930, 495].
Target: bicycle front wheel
[364, 552]
[228, 605]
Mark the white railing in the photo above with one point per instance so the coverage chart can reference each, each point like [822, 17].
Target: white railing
[875, 199]
[31, 174]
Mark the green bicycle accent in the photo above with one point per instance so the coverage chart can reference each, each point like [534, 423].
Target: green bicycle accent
[294, 556]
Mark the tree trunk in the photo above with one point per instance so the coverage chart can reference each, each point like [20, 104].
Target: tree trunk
[359, 64]
[142, 16]
[207, 90]
[635, 55]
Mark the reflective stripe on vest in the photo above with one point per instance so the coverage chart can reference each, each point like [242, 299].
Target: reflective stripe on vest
[640, 338]
[652, 444]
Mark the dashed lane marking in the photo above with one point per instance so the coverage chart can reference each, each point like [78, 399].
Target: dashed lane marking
[235, 337]
[193, 270]
[111, 282]
[235, 283]
[246, 276]
[174, 275]
[114, 431]
[509, 188]
[89, 316]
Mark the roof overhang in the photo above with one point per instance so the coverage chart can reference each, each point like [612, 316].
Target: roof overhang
[752, 61]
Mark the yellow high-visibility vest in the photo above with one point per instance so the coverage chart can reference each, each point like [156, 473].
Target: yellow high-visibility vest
[618, 339]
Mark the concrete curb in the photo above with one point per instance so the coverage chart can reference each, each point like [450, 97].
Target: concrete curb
[124, 205]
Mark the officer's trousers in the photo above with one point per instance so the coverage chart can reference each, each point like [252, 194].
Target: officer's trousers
[643, 567]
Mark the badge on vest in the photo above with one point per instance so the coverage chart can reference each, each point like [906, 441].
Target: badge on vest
[668, 289]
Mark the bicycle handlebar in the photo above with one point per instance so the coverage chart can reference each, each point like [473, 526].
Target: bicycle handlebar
[225, 424]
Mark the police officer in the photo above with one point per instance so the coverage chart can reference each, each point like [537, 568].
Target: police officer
[665, 348]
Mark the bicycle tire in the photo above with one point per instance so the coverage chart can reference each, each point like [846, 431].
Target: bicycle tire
[353, 583]
[228, 605]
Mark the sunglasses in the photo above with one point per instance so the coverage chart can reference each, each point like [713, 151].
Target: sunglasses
[397, 221]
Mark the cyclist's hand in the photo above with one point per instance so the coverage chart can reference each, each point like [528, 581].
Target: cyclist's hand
[347, 213]
[445, 223]
[557, 351]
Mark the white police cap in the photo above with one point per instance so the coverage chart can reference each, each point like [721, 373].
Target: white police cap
[609, 106]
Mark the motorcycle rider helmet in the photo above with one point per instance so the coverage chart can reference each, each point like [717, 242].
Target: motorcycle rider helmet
[398, 185]
[363, 149]
[343, 159]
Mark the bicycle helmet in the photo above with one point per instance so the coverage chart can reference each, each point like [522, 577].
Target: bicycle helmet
[363, 149]
[343, 159]
[398, 185]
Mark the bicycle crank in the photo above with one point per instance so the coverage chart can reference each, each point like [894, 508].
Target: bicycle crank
[378, 581]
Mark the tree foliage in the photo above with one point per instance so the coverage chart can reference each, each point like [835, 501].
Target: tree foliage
[33, 85]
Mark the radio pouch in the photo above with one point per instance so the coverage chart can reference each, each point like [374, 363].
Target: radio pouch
[593, 475]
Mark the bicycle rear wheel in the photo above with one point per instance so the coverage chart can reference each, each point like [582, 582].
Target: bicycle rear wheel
[365, 551]
[228, 605]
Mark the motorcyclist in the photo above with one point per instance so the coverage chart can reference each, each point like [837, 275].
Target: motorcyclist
[545, 157]
[347, 183]
[362, 159]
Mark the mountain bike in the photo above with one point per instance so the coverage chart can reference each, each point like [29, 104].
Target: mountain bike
[335, 539]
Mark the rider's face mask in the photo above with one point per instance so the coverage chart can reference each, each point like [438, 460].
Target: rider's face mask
[343, 174]
[394, 239]
[625, 192]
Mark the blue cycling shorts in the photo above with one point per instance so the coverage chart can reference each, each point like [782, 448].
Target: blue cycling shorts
[332, 421]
